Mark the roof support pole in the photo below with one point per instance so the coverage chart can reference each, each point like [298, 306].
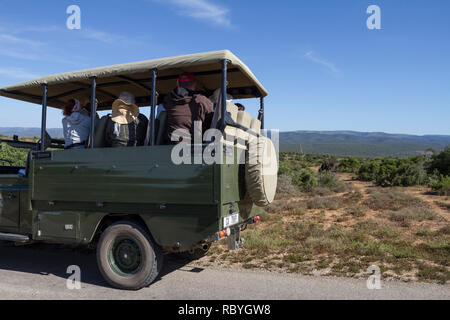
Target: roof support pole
[93, 109]
[153, 109]
[44, 116]
[224, 92]
[261, 112]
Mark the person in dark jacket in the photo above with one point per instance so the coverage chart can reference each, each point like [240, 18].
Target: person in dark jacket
[184, 106]
[126, 127]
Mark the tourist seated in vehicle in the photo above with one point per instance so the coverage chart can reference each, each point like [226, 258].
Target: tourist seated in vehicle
[86, 110]
[216, 96]
[126, 127]
[76, 126]
[240, 106]
[184, 106]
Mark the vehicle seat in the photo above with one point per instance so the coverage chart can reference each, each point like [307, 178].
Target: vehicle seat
[245, 119]
[229, 132]
[99, 133]
[161, 128]
[233, 110]
[255, 125]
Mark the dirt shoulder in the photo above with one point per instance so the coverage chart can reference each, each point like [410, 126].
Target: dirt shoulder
[403, 231]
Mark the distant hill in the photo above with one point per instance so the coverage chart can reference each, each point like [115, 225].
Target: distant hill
[30, 132]
[360, 144]
[340, 143]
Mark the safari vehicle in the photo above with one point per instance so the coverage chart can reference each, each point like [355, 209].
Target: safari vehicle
[134, 204]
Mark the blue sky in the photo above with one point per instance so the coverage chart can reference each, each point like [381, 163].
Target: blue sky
[324, 69]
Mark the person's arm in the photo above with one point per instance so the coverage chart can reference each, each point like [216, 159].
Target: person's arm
[64, 124]
[206, 113]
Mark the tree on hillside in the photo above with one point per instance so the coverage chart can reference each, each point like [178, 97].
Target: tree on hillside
[441, 162]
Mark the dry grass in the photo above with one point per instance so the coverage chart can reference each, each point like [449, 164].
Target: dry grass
[285, 188]
[443, 205]
[356, 210]
[319, 202]
[343, 233]
[391, 199]
[408, 214]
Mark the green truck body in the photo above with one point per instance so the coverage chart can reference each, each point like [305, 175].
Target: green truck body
[67, 194]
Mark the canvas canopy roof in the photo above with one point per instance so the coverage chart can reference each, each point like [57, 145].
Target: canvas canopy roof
[136, 78]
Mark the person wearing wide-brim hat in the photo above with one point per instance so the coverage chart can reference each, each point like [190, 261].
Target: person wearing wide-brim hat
[126, 127]
[124, 109]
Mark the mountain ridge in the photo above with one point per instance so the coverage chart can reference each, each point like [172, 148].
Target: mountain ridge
[362, 144]
[338, 142]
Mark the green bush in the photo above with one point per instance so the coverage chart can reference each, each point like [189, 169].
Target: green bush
[305, 179]
[410, 174]
[290, 167]
[18, 157]
[394, 172]
[330, 181]
[441, 162]
[349, 165]
[368, 170]
[440, 183]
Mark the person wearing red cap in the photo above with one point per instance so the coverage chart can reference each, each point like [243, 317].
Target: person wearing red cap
[184, 106]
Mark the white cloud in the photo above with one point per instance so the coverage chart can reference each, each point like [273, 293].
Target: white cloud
[15, 42]
[18, 73]
[203, 10]
[17, 47]
[108, 38]
[311, 55]
[19, 54]
[10, 39]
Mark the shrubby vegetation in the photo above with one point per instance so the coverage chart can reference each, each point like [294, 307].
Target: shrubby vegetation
[441, 162]
[394, 172]
[350, 165]
[385, 172]
[440, 184]
[18, 157]
[295, 171]
[321, 222]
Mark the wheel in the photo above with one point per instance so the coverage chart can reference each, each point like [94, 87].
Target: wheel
[127, 257]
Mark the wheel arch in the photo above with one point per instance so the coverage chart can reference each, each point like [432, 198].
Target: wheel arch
[112, 218]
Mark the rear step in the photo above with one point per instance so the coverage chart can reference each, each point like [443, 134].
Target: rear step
[14, 237]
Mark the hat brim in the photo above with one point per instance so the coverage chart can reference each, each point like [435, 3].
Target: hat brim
[131, 112]
[119, 102]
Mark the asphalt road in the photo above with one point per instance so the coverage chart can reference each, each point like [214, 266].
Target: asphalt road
[39, 272]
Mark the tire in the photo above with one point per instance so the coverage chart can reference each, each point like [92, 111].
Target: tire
[127, 257]
[261, 171]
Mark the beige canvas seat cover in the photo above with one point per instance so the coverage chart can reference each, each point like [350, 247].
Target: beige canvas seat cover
[261, 171]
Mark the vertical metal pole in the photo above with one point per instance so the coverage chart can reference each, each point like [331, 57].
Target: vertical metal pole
[44, 116]
[224, 93]
[153, 109]
[93, 109]
[261, 110]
